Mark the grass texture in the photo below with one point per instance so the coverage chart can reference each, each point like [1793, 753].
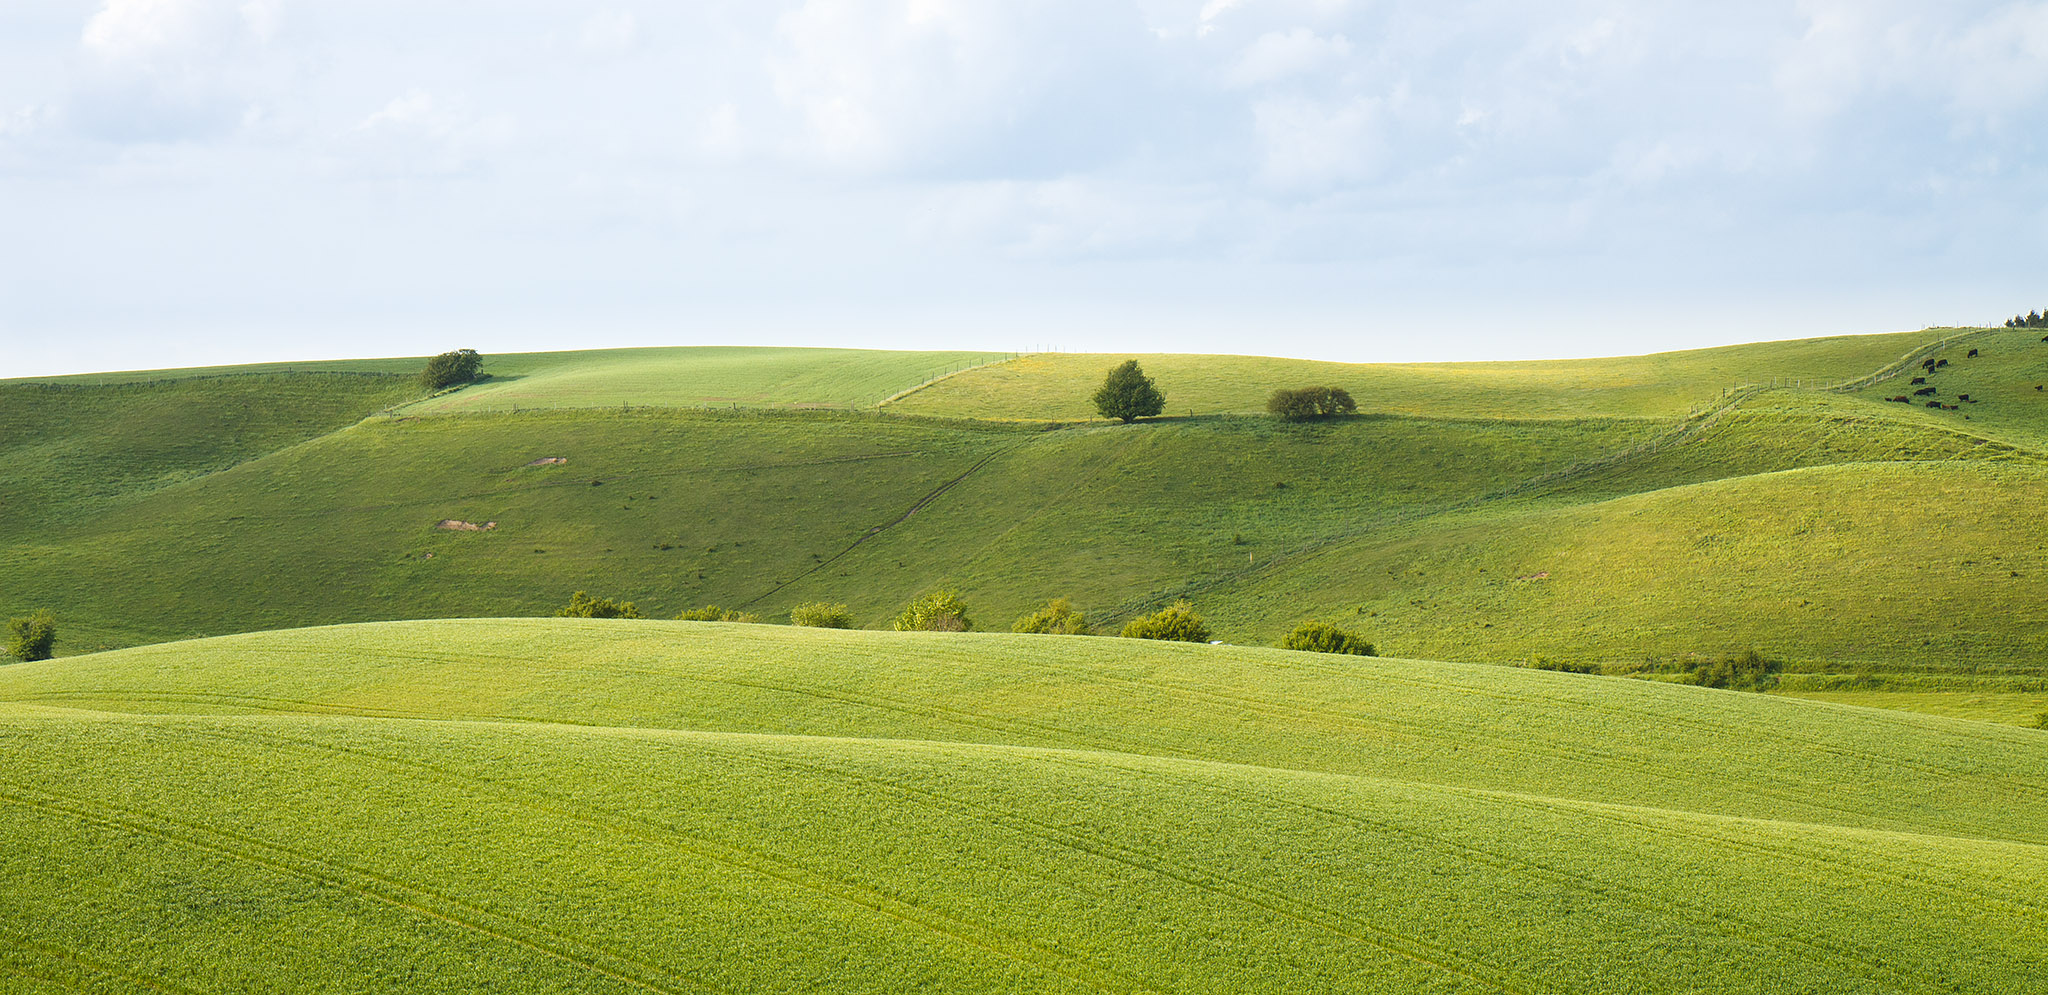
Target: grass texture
[1876, 547]
[1057, 386]
[570, 805]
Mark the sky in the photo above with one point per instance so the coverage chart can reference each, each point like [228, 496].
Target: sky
[189, 182]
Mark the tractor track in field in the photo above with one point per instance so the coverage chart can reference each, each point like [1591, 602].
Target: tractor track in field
[877, 530]
[1006, 944]
[404, 896]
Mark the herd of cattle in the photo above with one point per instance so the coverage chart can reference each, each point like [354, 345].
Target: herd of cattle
[1927, 368]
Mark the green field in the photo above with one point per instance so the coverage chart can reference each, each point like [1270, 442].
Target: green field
[540, 805]
[699, 376]
[1618, 513]
[1056, 386]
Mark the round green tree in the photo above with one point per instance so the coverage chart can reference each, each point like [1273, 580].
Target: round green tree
[33, 636]
[1128, 394]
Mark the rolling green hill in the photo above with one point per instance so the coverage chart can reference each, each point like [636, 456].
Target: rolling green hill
[1615, 513]
[1057, 386]
[555, 805]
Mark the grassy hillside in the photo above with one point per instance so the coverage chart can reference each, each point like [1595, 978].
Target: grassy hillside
[1058, 385]
[531, 805]
[1863, 541]
[699, 376]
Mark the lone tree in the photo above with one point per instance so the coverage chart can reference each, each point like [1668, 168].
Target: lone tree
[33, 636]
[451, 368]
[1176, 621]
[938, 611]
[1322, 637]
[1127, 393]
[1311, 402]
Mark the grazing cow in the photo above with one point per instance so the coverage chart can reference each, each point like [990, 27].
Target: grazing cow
[1929, 363]
[1923, 392]
[1936, 405]
[1942, 363]
[1917, 381]
[1972, 355]
[1902, 399]
[1948, 407]
[1962, 397]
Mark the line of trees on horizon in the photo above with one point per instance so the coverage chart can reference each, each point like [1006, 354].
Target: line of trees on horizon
[2032, 319]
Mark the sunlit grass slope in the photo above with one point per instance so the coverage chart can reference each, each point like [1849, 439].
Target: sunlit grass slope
[1903, 566]
[698, 376]
[1058, 385]
[537, 805]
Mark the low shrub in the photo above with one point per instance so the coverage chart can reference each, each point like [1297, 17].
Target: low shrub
[582, 605]
[1322, 637]
[1058, 618]
[938, 611]
[1176, 621]
[33, 636]
[1541, 662]
[819, 615]
[1744, 671]
[1311, 402]
[713, 613]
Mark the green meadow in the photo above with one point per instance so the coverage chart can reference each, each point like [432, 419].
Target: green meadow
[1615, 514]
[308, 731]
[558, 805]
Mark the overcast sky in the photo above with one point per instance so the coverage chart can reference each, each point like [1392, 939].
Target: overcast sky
[201, 181]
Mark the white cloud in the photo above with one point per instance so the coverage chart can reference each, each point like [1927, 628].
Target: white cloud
[1309, 146]
[941, 85]
[611, 32]
[1278, 55]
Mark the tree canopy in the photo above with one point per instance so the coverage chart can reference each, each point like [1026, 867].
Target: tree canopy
[1128, 394]
[451, 368]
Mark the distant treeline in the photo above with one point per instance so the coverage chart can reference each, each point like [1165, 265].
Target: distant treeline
[2032, 319]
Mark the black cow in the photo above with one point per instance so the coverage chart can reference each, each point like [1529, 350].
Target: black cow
[1923, 392]
[1972, 355]
[1917, 381]
[1936, 405]
[1962, 397]
[1929, 362]
[1902, 399]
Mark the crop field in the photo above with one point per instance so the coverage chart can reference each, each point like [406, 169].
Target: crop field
[558, 805]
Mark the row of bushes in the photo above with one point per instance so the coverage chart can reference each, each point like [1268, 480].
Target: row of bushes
[943, 611]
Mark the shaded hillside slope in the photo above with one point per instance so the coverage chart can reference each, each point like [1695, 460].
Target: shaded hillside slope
[534, 805]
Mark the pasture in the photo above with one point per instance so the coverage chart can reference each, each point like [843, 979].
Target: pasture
[558, 805]
[1873, 547]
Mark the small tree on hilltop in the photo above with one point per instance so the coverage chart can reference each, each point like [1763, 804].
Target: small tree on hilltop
[1322, 637]
[1128, 394]
[939, 611]
[33, 636]
[1176, 621]
[582, 605]
[451, 368]
[1058, 618]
